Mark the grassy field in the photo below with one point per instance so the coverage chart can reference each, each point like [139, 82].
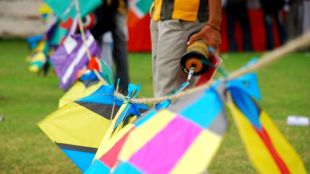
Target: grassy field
[27, 98]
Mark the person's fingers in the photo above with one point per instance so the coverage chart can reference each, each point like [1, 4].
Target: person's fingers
[193, 38]
[210, 36]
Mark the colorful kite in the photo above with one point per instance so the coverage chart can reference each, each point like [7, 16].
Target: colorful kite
[137, 10]
[57, 34]
[33, 41]
[87, 83]
[166, 142]
[78, 128]
[71, 57]
[65, 9]
[110, 147]
[43, 45]
[267, 148]
[38, 58]
[183, 138]
[44, 9]
[79, 90]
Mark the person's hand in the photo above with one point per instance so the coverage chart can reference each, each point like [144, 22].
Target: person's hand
[209, 34]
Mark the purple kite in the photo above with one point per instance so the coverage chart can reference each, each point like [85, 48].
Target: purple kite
[71, 57]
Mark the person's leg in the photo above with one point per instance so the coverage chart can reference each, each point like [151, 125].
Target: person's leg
[244, 21]
[292, 21]
[231, 20]
[154, 36]
[106, 49]
[120, 52]
[306, 16]
[171, 44]
[280, 27]
[269, 34]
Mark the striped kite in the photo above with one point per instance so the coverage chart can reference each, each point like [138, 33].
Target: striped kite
[78, 128]
[71, 57]
[184, 137]
[110, 147]
[267, 148]
[87, 83]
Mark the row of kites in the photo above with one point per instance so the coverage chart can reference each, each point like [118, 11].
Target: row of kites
[102, 133]
[61, 47]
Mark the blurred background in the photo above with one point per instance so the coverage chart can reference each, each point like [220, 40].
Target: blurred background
[248, 25]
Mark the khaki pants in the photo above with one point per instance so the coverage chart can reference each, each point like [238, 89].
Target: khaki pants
[169, 40]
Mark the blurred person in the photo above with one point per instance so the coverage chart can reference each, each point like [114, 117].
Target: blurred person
[293, 18]
[306, 16]
[253, 4]
[111, 16]
[106, 48]
[272, 14]
[174, 25]
[237, 11]
[306, 21]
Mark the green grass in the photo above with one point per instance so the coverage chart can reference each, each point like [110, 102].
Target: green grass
[26, 98]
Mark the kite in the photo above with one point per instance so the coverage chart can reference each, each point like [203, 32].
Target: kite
[34, 40]
[109, 149]
[44, 9]
[79, 90]
[71, 57]
[65, 9]
[137, 10]
[78, 127]
[184, 137]
[57, 34]
[43, 45]
[38, 58]
[87, 83]
[267, 148]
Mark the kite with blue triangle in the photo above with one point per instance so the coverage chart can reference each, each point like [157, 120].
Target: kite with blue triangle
[78, 127]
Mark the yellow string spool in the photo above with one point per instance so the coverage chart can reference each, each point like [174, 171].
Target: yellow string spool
[196, 55]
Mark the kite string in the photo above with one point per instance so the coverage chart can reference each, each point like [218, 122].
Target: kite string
[83, 35]
[268, 58]
[81, 27]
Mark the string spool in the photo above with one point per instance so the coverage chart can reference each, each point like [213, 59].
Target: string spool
[197, 56]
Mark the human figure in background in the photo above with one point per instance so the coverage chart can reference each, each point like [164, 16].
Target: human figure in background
[237, 11]
[306, 16]
[111, 16]
[272, 14]
[174, 25]
[106, 49]
[293, 18]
